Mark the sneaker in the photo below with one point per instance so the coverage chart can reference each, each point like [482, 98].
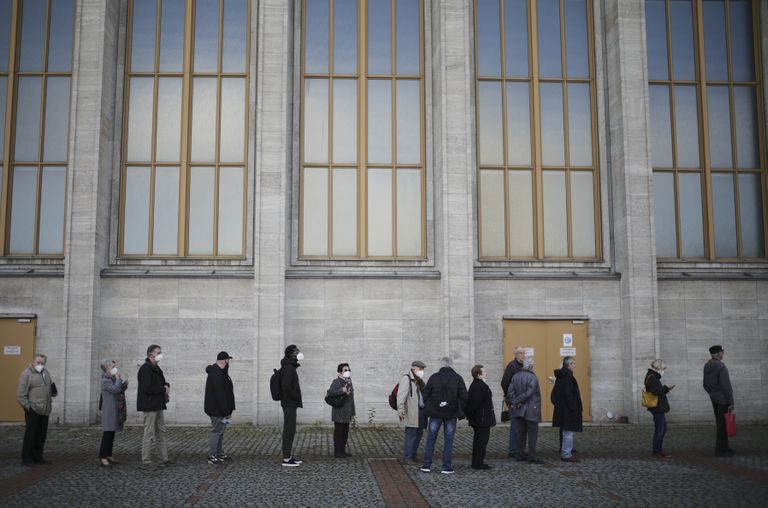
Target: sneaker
[570, 459]
[290, 463]
[224, 457]
[425, 469]
[296, 460]
[214, 460]
[148, 467]
[410, 462]
[447, 471]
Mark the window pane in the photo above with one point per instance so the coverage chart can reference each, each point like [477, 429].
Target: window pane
[407, 37]
[56, 119]
[520, 214]
[345, 212]
[316, 36]
[714, 40]
[742, 40]
[724, 215]
[27, 118]
[380, 212]
[143, 35]
[550, 65]
[664, 213]
[136, 220]
[380, 37]
[681, 23]
[206, 35]
[3, 90]
[687, 125]
[5, 34]
[315, 212]
[166, 221]
[344, 36]
[661, 127]
[552, 136]
[579, 124]
[691, 228]
[235, 37]
[516, 37]
[32, 35]
[492, 214]
[408, 122]
[719, 127]
[232, 127]
[490, 135]
[23, 200]
[316, 120]
[379, 121]
[751, 211]
[203, 119]
[656, 38]
[576, 45]
[168, 120]
[409, 212]
[60, 37]
[745, 111]
[518, 124]
[52, 211]
[555, 218]
[230, 241]
[172, 36]
[140, 119]
[582, 214]
[201, 188]
[345, 120]
[488, 38]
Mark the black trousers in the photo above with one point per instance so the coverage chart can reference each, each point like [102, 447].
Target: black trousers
[479, 444]
[34, 436]
[527, 431]
[721, 442]
[340, 437]
[289, 431]
[107, 440]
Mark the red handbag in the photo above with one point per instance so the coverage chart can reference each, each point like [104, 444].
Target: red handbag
[730, 424]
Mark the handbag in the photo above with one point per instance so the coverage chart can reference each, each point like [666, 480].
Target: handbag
[730, 424]
[650, 400]
[335, 400]
[505, 411]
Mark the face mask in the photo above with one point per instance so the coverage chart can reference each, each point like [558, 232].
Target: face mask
[661, 373]
[113, 371]
[39, 367]
[159, 357]
[420, 373]
[300, 356]
[346, 374]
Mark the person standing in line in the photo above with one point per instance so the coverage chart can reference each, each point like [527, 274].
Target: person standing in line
[444, 399]
[151, 399]
[410, 407]
[524, 399]
[341, 386]
[113, 409]
[515, 366]
[34, 393]
[481, 416]
[654, 386]
[568, 409]
[290, 401]
[219, 404]
[717, 383]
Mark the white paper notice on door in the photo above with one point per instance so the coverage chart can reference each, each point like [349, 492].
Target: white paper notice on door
[529, 352]
[567, 351]
[12, 350]
[567, 340]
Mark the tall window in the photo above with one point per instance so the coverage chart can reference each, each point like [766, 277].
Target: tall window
[184, 137]
[708, 152]
[536, 134]
[362, 136]
[35, 78]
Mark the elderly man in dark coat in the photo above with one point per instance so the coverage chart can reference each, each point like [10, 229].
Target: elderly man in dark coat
[568, 410]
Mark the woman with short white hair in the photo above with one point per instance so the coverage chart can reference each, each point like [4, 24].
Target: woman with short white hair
[113, 409]
[654, 386]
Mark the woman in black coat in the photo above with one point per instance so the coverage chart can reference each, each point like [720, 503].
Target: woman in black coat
[479, 411]
[653, 385]
[568, 410]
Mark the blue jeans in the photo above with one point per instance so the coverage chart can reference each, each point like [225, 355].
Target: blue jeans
[429, 449]
[512, 437]
[659, 429]
[413, 437]
[567, 446]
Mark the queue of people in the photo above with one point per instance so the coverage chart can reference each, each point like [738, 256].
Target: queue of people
[437, 403]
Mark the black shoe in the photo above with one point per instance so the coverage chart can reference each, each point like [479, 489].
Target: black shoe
[726, 453]
[481, 466]
[27, 463]
[347, 454]
[512, 455]
[535, 461]
[42, 461]
[340, 455]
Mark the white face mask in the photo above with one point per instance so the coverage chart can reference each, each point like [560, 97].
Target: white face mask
[113, 371]
[39, 367]
[661, 373]
[346, 374]
[420, 373]
[300, 356]
[159, 357]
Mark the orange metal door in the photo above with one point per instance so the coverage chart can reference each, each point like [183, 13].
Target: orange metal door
[17, 346]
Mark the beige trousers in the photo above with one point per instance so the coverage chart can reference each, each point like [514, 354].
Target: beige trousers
[154, 428]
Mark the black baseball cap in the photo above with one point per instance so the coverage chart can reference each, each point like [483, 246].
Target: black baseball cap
[223, 356]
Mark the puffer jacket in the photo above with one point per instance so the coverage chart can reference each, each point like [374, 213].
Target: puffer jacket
[344, 413]
[717, 382]
[654, 386]
[524, 396]
[34, 391]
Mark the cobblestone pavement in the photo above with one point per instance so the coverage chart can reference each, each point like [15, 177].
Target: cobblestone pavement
[616, 471]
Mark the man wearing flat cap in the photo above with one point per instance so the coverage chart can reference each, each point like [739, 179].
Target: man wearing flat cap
[219, 404]
[717, 383]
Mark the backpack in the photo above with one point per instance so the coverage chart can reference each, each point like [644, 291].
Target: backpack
[275, 385]
[393, 396]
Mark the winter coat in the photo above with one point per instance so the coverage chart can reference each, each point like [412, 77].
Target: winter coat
[151, 392]
[289, 383]
[512, 368]
[219, 392]
[344, 413]
[567, 400]
[717, 382]
[445, 386]
[654, 386]
[524, 396]
[479, 408]
[408, 398]
[111, 389]
[34, 391]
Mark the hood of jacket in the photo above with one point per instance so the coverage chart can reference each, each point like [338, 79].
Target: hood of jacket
[214, 367]
[563, 373]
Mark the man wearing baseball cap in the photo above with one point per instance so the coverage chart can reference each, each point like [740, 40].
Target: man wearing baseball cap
[717, 383]
[219, 404]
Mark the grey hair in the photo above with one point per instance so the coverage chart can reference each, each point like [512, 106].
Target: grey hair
[41, 355]
[658, 365]
[528, 364]
[446, 361]
[568, 360]
[105, 362]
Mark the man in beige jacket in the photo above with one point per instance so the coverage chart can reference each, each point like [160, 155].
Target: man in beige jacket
[410, 406]
[34, 394]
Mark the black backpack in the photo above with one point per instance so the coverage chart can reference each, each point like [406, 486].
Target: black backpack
[275, 385]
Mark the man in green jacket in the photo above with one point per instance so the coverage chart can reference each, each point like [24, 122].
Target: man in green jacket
[34, 394]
